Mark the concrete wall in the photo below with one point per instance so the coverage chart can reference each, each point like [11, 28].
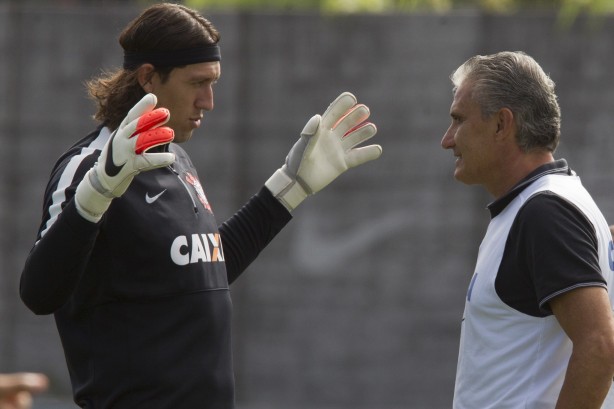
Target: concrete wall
[357, 304]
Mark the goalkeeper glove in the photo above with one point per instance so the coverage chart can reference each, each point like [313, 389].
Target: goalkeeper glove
[326, 149]
[124, 156]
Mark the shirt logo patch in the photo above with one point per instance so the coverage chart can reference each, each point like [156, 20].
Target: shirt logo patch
[197, 248]
[151, 199]
[193, 180]
[611, 255]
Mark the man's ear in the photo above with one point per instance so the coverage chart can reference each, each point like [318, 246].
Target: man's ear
[505, 123]
[144, 75]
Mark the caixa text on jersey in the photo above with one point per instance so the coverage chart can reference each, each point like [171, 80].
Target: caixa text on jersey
[197, 248]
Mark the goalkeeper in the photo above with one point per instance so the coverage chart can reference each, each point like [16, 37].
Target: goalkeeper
[129, 257]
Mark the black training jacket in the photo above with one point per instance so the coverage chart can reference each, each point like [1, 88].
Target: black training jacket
[141, 299]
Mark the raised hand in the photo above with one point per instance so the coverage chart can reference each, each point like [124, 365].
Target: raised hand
[327, 148]
[124, 156]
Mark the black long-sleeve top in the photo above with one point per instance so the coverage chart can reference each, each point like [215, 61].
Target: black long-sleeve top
[141, 299]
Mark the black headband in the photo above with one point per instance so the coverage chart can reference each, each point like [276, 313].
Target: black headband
[173, 58]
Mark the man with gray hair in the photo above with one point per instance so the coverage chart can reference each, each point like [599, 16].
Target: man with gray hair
[538, 329]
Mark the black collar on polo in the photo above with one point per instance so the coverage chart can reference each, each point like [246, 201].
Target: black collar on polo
[172, 58]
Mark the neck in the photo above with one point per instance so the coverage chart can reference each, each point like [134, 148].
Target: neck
[517, 168]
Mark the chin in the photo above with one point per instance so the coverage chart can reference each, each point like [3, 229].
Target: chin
[182, 137]
[460, 177]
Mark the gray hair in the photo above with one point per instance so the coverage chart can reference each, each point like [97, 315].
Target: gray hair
[515, 81]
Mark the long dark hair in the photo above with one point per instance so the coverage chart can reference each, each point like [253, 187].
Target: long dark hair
[161, 27]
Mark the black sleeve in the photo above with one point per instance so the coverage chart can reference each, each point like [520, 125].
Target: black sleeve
[57, 260]
[250, 230]
[55, 263]
[552, 248]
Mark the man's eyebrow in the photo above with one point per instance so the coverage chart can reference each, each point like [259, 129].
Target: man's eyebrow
[199, 78]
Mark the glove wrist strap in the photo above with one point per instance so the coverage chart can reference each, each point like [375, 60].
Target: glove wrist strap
[94, 179]
[286, 190]
[91, 204]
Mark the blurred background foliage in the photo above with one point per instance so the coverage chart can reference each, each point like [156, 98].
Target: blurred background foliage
[565, 7]
[567, 10]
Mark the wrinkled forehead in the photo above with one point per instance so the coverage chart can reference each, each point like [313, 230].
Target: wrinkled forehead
[463, 92]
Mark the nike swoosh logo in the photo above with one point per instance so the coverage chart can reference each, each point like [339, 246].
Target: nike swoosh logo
[150, 200]
[109, 166]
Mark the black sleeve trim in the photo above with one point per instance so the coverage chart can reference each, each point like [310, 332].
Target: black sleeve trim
[548, 298]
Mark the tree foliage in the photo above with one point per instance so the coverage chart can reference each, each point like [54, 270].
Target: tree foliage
[564, 7]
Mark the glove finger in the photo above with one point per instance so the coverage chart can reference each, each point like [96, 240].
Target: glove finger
[311, 126]
[352, 119]
[148, 161]
[146, 104]
[362, 155]
[151, 120]
[337, 109]
[153, 137]
[295, 156]
[358, 135]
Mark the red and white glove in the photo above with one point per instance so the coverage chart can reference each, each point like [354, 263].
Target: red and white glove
[124, 156]
[326, 149]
